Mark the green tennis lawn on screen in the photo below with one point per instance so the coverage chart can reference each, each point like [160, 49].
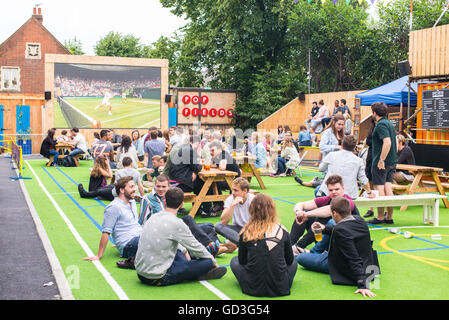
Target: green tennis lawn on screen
[132, 113]
[416, 268]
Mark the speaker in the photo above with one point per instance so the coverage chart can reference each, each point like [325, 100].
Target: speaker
[47, 95]
[404, 68]
[301, 96]
[168, 98]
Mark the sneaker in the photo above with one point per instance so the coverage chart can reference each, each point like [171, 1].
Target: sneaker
[368, 214]
[110, 113]
[298, 179]
[205, 214]
[126, 264]
[274, 175]
[82, 191]
[389, 221]
[215, 273]
[218, 208]
[376, 221]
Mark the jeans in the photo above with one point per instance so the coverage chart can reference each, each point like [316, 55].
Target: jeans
[75, 152]
[316, 259]
[56, 155]
[182, 270]
[130, 250]
[281, 165]
[229, 232]
[203, 232]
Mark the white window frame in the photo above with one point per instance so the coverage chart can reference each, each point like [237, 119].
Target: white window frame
[27, 56]
[5, 74]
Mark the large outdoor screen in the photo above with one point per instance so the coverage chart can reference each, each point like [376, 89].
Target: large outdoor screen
[106, 96]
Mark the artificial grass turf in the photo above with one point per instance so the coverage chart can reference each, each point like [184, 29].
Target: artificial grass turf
[402, 276]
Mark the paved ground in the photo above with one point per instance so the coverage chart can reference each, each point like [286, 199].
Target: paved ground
[24, 266]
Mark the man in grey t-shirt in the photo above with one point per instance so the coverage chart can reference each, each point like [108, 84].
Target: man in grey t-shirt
[236, 207]
[165, 245]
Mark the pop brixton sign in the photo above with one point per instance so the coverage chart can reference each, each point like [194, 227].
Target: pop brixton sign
[205, 112]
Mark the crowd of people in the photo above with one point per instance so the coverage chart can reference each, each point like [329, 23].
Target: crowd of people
[80, 87]
[165, 249]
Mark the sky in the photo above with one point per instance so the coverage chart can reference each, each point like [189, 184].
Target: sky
[91, 20]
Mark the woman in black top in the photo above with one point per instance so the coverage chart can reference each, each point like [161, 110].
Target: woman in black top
[265, 266]
[48, 147]
[98, 182]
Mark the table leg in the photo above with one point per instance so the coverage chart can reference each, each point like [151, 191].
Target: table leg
[440, 188]
[257, 175]
[426, 214]
[413, 187]
[199, 199]
[436, 213]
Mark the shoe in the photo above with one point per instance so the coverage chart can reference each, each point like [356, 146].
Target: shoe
[126, 264]
[298, 179]
[228, 247]
[368, 214]
[376, 221]
[215, 273]
[274, 175]
[204, 214]
[182, 212]
[110, 113]
[218, 208]
[81, 190]
[389, 221]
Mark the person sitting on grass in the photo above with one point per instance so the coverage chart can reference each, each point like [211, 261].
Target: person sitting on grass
[98, 181]
[154, 203]
[317, 209]
[265, 265]
[345, 251]
[166, 244]
[129, 170]
[120, 222]
[235, 209]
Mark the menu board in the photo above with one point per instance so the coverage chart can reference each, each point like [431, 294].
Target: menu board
[395, 119]
[435, 109]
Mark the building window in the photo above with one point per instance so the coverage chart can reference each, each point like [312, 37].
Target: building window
[10, 78]
[33, 50]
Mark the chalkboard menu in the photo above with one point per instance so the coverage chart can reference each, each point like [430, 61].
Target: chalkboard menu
[435, 109]
[395, 118]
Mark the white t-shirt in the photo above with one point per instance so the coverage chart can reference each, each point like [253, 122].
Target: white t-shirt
[106, 98]
[240, 217]
[80, 142]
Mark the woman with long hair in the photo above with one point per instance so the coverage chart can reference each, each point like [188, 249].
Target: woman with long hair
[265, 265]
[138, 144]
[48, 148]
[126, 149]
[332, 136]
[98, 182]
[166, 136]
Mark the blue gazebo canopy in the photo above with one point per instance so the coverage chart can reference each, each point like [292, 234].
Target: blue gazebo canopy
[393, 93]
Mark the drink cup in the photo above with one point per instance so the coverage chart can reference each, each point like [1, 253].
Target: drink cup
[318, 232]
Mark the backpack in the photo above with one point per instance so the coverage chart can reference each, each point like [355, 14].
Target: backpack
[68, 161]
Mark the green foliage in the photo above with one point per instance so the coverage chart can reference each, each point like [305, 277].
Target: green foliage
[74, 46]
[115, 44]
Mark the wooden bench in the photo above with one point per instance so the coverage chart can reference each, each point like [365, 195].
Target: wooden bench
[52, 157]
[191, 197]
[399, 188]
[445, 185]
[429, 201]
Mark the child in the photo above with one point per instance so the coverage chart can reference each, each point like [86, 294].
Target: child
[152, 172]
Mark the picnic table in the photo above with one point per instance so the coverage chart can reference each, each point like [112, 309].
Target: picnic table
[421, 173]
[429, 201]
[210, 178]
[249, 170]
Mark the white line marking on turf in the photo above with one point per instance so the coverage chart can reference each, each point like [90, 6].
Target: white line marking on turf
[61, 281]
[130, 115]
[147, 124]
[217, 292]
[411, 227]
[109, 279]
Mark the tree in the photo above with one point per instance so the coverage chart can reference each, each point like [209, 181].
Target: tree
[117, 45]
[74, 46]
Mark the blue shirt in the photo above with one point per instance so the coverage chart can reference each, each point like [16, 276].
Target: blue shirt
[304, 136]
[138, 144]
[153, 148]
[120, 220]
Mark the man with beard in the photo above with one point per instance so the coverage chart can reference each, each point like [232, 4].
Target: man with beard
[121, 222]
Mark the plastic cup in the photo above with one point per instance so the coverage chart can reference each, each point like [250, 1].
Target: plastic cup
[318, 232]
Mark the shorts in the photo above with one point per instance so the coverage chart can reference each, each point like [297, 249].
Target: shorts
[380, 177]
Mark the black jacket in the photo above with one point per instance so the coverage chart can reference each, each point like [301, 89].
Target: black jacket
[47, 145]
[351, 254]
[183, 164]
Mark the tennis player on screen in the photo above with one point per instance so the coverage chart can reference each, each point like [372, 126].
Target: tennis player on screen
[106, 102]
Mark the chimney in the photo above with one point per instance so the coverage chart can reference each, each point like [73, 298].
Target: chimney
[37, 13]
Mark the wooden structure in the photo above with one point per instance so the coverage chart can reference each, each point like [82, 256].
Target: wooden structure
[294, 114]
[249, 170]
[429, 53]
[203, 107]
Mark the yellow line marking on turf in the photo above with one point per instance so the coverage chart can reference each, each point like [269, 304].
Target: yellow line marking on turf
[384, 245]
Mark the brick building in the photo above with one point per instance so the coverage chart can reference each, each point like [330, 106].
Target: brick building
[22, 57]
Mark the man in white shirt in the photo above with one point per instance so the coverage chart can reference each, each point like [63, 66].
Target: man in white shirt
[347, 165]
[79, 143]
[323, 112]
[236, 208]
[106, 102]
